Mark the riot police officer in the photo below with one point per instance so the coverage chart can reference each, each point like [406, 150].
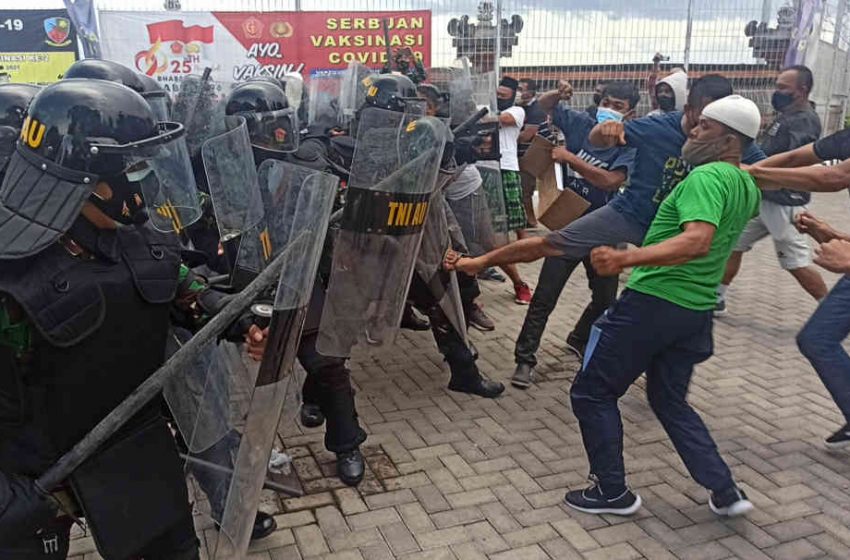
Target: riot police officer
[328, 382]
[87, 283]
[14, 99]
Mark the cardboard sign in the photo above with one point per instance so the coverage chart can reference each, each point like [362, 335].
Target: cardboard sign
[538, 158]
[567, 208]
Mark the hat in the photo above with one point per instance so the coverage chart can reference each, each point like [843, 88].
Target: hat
[509, 82]
[738, 113]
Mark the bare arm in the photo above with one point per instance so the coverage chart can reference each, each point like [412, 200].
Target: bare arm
[804, 155]
[506, 119]
[524, 250]
[596, 176]
[814, 178]
[694, 242]
[608, 135]
[528, 133]
[547, 101]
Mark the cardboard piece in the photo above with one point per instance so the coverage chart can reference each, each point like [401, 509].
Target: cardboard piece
[548, 192]
[538, 158]
[567, 208]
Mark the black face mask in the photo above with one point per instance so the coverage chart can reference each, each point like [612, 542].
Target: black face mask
[781, 101]
[666, 103]
[123, 207]
[597, 98]
[504, 104]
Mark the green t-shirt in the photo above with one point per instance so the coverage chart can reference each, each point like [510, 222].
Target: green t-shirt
[719, 194]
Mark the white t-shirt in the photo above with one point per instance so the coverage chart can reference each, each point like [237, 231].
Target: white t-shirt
[466, 183]
[508, 138]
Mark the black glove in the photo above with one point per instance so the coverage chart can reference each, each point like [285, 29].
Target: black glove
[23, 508]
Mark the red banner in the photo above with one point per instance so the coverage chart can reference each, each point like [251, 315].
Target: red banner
[318, 41]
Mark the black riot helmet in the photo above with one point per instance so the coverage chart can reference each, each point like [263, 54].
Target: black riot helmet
[14, 99]
[97, 141]
[272, 125]
[157, 97]
[95, 68]
[269, 80]
[389, 91]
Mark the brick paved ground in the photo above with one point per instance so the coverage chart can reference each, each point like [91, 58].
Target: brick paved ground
[457, 477]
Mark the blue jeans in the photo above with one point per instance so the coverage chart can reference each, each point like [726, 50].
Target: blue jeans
[820, 342]
[641, 333]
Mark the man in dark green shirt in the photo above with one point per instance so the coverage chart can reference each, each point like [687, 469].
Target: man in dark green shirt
[662, 324]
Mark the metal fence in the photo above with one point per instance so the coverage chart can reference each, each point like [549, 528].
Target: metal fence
[585, 41]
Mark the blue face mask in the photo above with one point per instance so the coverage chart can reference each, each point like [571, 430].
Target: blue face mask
[604, 114]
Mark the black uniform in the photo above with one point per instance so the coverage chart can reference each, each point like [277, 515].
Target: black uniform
[83, 321]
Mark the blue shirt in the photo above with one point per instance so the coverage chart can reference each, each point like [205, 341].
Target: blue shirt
[576, 126]
[658, 164]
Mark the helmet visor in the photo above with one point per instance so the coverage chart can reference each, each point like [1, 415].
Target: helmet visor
[273, 130]
[161, 169]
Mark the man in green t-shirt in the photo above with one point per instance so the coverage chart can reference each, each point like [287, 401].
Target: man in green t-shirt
[662, 323]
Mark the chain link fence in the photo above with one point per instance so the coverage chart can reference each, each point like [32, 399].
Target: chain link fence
[587, 41]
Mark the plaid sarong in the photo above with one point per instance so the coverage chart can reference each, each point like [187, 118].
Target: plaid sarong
[512, 187]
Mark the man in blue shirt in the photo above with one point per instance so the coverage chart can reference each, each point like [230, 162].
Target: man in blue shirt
[594, 174]
[658, 169]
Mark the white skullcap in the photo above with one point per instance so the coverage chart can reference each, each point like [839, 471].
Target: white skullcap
[738, 113]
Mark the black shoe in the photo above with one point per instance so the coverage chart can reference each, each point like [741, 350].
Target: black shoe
[591, 500]
[350, 467]
[264, 525]
[576, 346]
[413, 322]
[839, 439]
[481, 387]
[731, 503]
[311, 415]
[491, 274]
[480, 320]
[720, 308]
[523, 376]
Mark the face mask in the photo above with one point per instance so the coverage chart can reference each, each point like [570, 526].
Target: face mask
[698, 152]
[781, 100]
[124, 205]
[504, 104]
[666, 104]
[605, 114]
[597, 98]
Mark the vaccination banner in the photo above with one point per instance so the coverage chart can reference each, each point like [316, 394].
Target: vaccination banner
[240, 45]
[36, 46]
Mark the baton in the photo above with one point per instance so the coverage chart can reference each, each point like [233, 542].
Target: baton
[153, 385]
[474, 118]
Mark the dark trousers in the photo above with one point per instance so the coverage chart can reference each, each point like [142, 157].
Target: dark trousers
[821, 340]
[328, 384]
[52, 543]
[553, 277]
[642, 333]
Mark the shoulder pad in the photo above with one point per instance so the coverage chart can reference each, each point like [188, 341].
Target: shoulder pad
[154, 261]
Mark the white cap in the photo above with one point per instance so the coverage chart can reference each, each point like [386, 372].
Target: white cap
[738, 113]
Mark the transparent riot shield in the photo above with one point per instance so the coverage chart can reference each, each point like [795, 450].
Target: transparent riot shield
[294, 89]
[355, 83]
[232, 179]
[198, 107]
[392, 180]
[473, 215]
[324, 100]
[442, 284]
[230, 441]
[491, 181]
[470, 91]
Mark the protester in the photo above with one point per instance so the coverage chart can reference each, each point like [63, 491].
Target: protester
[662, 324]
[598, 90]
[511, 120]
[595, 174]
[670, 93]
[796, 124]
[658, 169]
[536, 123]
[821, 338]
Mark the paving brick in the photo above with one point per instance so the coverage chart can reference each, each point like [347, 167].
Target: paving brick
[794, 550]
[533, 552]
[575, 534]
[310, 540]
[530, 535]
[399, 538]
[459, 516]
[373, 518]
[620, 551]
